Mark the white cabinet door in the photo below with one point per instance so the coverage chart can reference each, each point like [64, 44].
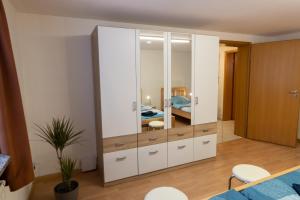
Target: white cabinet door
[152, 158]
[180, 152]
[120, 164]
[118, 82]
[205, 147]
[206, 64]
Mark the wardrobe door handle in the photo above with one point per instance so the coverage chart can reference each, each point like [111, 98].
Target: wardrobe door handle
[180, 134]
[205, 130]
[181, 147]
[166, 103]
[196, 100]
[121, 158]
[152, 139]
[134, 106]
[153, 152]
[170, 103]
[206, 142]
[294, 93]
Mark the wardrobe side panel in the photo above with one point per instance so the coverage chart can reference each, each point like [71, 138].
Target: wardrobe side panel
[97, 99]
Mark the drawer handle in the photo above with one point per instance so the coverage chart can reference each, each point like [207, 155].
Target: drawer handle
[206, 142]
[180, 134]
[121, 158]
[152, 139]
[181, 147]
[119, 144]
[205, 130]
[153, 152]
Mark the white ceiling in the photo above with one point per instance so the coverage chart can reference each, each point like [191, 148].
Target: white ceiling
[260, 17]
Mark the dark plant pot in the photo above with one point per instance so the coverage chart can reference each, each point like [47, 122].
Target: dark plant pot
[62, 193]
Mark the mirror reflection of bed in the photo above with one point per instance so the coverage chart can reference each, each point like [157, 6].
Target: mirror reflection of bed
[151, 121]
[152, 80]
[181, 106]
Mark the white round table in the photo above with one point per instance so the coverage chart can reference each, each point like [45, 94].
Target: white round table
[156, 124]
[165, 193]
[248, 173]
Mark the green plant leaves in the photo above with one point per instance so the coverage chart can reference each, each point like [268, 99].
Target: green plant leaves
[60, 134]
[67, 167]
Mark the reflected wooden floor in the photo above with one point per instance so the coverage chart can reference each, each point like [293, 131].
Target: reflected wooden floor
[198, 181]
[226, 131]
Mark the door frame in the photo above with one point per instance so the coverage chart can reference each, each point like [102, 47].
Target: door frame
[242, 77]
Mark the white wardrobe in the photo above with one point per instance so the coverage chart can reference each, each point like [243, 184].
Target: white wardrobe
[136, 135]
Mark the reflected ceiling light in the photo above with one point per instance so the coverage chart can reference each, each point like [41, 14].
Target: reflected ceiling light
[152, 38]
[181, 41]
[149, 42]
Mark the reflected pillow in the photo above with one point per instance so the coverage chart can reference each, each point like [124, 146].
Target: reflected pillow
[180, 100]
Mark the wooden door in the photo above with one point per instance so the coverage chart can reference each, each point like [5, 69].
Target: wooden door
[273, 99]
[118, 82]
[205, 74]
[241, 89]
[229, 68]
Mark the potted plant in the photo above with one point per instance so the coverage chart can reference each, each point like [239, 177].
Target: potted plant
[61, 134]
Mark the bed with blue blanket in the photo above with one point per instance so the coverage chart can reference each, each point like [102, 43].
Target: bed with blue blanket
[281, 186]
[153, 112]
[153, 115]
[181, 104]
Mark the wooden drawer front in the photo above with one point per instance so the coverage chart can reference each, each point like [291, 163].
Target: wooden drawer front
[119, 143]
[180, 152]
[152, 158]
[152, 137]
[120, 164]
[180, 133]
[205, 129]
[205, 147]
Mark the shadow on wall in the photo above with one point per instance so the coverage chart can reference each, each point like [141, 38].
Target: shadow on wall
[81, 93]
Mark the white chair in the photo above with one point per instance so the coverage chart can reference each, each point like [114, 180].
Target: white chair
[156, 124]
[247, 173]
[165, 193]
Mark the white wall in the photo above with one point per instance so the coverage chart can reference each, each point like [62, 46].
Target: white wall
[56, 70]
[152, 75]
[181, 69]
[289, 36]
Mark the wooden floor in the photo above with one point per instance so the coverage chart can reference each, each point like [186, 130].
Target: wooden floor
[198, 181]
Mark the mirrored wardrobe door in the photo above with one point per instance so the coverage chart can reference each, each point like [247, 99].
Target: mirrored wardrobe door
[152, 82]
[181, 86]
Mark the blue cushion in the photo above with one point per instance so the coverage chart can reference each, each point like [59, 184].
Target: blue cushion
[271, 190]
[229, 195]
[290, 178]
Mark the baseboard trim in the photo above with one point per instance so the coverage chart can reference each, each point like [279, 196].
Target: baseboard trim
[53, 176]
